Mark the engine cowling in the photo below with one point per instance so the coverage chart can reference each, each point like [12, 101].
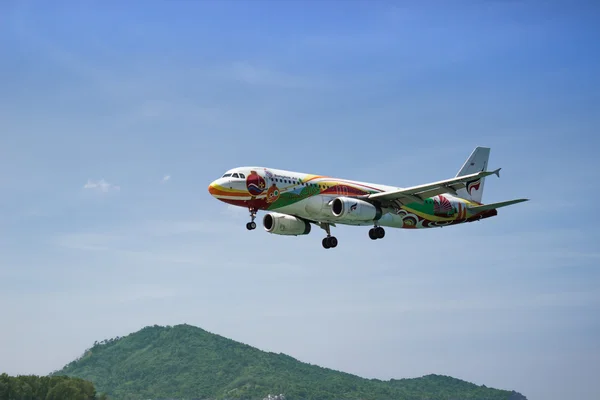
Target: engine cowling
[282, 224]
[347, 208]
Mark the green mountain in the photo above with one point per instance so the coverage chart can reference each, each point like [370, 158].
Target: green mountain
[185, 362]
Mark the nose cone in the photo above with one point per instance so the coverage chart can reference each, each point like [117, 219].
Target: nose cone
[212, 188]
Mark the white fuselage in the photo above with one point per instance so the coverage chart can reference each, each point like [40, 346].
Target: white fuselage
[234, 188]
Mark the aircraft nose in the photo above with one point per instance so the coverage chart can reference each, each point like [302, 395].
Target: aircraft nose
[212, 189]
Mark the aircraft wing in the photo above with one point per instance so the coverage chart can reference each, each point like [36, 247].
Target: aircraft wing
[493, 206]
[422, 192]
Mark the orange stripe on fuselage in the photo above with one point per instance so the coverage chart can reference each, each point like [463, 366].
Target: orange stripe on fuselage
[219, 191]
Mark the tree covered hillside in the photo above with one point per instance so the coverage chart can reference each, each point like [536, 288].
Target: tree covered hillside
[186, 362]
[32, 387]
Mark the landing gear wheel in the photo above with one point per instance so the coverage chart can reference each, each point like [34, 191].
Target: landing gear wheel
[330, 242]
[251, 225]
[376, 233]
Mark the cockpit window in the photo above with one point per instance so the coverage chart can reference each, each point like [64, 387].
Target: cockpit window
[234, 175]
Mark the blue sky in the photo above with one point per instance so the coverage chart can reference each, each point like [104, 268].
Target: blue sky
[101, 101]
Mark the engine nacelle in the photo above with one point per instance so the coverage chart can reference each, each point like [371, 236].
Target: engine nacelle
[350, 209]
[282, 224]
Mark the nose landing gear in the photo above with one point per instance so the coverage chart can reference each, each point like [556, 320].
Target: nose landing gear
[252, 225]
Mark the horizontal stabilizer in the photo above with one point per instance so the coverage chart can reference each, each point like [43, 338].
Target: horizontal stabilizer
[493, 206]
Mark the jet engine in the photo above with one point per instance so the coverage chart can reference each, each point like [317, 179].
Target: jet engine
[282, 224]
[347, 208]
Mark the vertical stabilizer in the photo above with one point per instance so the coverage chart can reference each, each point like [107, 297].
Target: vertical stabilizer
[477, 162]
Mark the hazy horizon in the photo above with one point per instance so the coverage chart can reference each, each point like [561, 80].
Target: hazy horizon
[115, 117]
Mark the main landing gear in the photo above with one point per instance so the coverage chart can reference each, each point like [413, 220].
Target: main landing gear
[252, 225]
[376, 233]
[329, 242]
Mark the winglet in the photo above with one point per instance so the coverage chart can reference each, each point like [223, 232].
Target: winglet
[497, 172]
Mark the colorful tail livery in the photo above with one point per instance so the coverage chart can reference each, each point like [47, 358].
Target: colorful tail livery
[476, 162]
[294, 201]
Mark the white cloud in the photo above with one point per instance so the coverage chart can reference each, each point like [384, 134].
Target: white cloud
[100, 185]
[87, 241]
[166, 178]
[262, 76]
[142, 291]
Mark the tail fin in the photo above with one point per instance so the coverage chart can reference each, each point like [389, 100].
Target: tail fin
[477, 162]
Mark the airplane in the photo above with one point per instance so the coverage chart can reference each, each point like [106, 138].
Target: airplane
[293, 200]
